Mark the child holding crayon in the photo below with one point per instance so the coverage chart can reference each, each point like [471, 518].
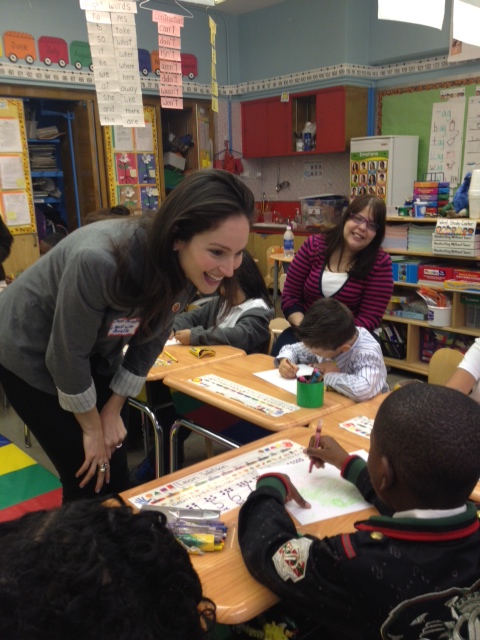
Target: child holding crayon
[411, 572]
[348, 357]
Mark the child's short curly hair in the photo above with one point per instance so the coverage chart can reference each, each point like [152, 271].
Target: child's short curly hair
[90, 571]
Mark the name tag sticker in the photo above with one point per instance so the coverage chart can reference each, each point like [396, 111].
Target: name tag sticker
[124, 327]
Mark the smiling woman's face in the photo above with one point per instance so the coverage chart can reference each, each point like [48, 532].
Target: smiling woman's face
[211, 256]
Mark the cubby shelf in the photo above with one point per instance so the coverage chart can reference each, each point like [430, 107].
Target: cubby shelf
[412, 360]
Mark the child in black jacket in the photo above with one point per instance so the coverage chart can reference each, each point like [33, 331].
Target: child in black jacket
[413, 571]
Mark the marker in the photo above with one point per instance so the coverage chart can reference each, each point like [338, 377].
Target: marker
[315, 377]
[170, 356]
[317, 442]
[302, 379]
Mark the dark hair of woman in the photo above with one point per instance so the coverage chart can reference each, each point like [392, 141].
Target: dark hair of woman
[365, 259]
[200, 203]
[87, 570]
[250, 280]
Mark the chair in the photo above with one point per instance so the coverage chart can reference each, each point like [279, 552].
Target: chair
[269, 278]
[277, 325]
[281, 282]
[442, 365]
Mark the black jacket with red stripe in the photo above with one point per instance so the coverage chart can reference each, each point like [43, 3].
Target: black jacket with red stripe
[392, 578]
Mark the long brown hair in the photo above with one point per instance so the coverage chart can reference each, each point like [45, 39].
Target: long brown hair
[200, 203]
[365, 259]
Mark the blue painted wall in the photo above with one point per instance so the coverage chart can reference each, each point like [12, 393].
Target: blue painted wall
[293, 36]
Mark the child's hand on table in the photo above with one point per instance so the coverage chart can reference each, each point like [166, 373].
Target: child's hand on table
[292, 492]
[328, 366]
[329, 451]
[183, 336]
[287, 369]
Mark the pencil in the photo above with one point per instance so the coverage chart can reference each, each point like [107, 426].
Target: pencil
[317, 442]
[170, 356]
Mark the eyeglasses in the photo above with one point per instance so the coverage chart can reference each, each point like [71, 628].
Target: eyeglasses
[359, 219]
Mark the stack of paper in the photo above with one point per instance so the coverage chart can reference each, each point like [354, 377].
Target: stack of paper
[420, 238]
[396, 237]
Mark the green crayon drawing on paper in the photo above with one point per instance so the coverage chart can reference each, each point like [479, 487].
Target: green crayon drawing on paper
[332, 492]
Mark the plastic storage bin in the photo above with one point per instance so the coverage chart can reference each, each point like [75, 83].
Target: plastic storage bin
[322, 210]
[472, 310]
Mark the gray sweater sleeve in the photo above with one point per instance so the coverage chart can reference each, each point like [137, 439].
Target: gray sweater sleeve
[250, 332]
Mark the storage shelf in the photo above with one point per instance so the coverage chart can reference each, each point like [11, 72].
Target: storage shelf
[424, 254]
[414, 367]
[47, 174]
[46, 200]
[410, 219]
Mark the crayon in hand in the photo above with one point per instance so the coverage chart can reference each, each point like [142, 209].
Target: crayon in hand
[318, 433]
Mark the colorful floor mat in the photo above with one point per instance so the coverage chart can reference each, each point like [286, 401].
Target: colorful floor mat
[24, 484]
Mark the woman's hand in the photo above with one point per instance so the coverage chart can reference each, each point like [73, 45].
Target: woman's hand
[287, 369]
[183, 336]
[114, 432]
[94, 447]
[329, 451]
[295, 318]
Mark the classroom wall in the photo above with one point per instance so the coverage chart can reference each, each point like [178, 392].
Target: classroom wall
[65, 19]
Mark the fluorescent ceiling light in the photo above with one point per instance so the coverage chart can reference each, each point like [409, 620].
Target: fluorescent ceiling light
[208, 3]
[426, 12]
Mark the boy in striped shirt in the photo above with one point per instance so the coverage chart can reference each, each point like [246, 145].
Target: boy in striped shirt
[349, 357]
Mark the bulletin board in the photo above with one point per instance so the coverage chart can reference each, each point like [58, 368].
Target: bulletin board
[132, 164]
[408, 111]
[16, 200]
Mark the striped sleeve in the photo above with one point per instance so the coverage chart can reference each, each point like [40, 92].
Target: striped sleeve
[302, 286]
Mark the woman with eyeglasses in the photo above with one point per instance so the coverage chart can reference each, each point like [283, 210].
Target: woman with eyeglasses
[346, 263]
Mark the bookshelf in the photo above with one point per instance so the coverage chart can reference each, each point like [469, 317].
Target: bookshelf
[414, 329]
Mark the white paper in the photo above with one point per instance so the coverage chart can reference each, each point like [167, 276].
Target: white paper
[144, 137]
[446, 138]
[329, 494]
[273, 376]
[466, 18]
[471, 154]
[123, 139]
[11, 173]
[16, 209]
[429, 13]
[10, 138]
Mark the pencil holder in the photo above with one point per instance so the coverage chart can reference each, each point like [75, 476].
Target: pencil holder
[310, 395]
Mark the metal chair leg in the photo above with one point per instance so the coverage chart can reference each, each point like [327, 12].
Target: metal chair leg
[181, 422]
[157, 431]
[27, 435]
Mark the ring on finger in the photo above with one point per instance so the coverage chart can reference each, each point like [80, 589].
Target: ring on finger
[102, 468]
[119, 445]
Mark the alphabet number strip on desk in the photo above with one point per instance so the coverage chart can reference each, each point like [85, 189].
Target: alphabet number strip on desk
[246, 396]
[227, 485]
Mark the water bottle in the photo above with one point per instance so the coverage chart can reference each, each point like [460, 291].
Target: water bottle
[288, 242]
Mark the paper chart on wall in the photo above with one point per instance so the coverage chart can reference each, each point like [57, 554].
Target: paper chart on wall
[227, 485]
[273, 376]
[446, 140]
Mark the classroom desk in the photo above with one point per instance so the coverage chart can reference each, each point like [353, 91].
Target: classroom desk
[186, 361]
[224, 577]
[277, 259]
[241, 371]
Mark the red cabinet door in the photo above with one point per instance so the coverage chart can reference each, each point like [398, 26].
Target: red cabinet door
[265, 130]
[254, 129]
[331, 120]
[279, 133]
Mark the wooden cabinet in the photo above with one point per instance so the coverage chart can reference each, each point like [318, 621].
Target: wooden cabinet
[195, 121]
[412, 361]
[270, 127]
